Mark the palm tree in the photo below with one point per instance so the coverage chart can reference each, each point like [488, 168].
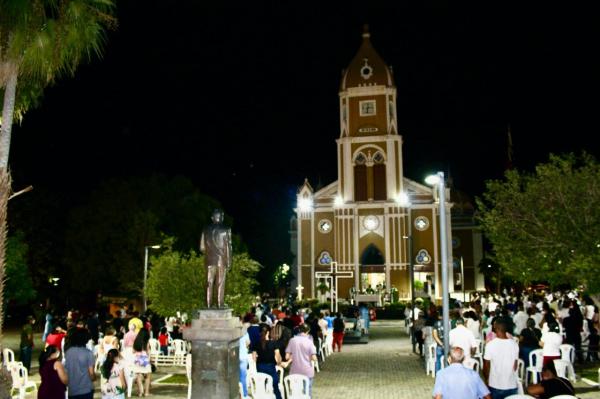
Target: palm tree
[40, 41]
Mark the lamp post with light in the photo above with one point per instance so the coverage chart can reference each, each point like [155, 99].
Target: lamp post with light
[438, 180]
[146, 248]
[404, 201]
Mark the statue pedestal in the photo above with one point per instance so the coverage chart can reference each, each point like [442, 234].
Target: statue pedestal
[215, 354]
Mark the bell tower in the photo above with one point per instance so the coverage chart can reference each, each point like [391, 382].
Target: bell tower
[369, 147]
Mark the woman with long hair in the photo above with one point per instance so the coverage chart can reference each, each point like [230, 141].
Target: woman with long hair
[267, 355]
[141, 365]
[108, 342]
[551, 341]
[53, 374]
[112, 372]
[529, 340]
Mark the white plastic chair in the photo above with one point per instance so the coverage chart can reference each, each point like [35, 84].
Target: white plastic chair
[567, 352]
[154, 346]
[564, 369]
[564, 397]
[472, 364]
[320, 349]
[280, 374]
[297, 386]
[188, 373]
[520, 370]
[316, 365]
[20, 381]
[251, 365]
[8, 359]
[179, 347]
[517, 396]
[260, 386]
[430, 360]
[536, 360]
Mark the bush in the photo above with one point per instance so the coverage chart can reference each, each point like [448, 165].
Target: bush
[391, 311]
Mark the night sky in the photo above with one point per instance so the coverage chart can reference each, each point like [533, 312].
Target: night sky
[243, 99]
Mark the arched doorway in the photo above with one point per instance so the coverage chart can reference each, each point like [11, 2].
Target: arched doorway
[372, 269]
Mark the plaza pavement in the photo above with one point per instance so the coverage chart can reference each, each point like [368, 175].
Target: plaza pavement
[385, 368]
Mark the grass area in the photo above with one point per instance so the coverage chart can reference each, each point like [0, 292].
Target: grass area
[589, 371]
[175, 379]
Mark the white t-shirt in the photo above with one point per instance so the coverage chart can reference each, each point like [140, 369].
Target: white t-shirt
[552, 342]
[473, 326]
[463, 338]
[520, 320]
[502, 354]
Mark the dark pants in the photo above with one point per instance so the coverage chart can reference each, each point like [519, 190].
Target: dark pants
[164, 350]
[25, 357]
[502, 393]
[84, 396]
[269, 368]
[524, 352]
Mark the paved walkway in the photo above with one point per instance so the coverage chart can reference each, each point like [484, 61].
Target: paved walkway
[385, 368]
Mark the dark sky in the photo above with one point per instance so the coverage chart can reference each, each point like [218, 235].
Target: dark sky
[243, 98]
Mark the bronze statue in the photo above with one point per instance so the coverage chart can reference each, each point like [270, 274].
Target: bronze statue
[215, 244]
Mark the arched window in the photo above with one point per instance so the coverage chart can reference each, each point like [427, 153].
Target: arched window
[372, 256]
[360, 177]
[379, 177]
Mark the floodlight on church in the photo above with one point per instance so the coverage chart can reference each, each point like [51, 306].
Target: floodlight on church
[403, 200]
[305, 204]
[339, 201]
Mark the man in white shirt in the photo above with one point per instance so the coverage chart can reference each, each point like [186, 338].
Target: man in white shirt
[500, 363]
[462, 337]
[520, 320]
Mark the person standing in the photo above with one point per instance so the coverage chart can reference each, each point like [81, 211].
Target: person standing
[53, 375]
[551, 341]
[26, 345]
[469, 386]
[267, 356]
[500, 362]
[462, 337]
[79, 363]
[301, 353]
[113, 373]
[338, 332]
[47, 326]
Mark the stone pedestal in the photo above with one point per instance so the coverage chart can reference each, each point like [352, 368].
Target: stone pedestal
[215, 354]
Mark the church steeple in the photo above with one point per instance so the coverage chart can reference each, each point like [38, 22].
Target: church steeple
[369, 148]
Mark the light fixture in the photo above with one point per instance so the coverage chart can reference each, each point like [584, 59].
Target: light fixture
[432, 180]
[339, 201]
[403, 200]
[371, 223]
[305, 204]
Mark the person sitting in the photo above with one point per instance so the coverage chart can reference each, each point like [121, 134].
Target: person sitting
[551, 385]
[470, 387]
[529, 339]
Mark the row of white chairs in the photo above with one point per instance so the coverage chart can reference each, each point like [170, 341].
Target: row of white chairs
[19, 375]
[293, 386]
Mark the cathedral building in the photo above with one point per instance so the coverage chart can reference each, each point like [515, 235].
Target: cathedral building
[373, 221]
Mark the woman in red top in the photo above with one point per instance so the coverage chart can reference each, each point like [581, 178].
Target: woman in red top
[55, 338]
[163, 340]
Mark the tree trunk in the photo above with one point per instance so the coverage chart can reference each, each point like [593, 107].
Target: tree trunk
[5, 190]
[8, 110]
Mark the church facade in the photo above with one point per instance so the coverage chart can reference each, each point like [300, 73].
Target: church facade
[373, 221]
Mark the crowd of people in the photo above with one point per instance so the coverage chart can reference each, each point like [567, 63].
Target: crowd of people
[287, 337]
[72, 343]
[510, 328]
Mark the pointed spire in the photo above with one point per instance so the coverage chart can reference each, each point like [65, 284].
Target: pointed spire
[366, 33]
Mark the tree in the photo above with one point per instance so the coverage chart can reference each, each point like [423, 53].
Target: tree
[40, 40]
[177, 282]
[545, 226]
[19, 286]
[106, 237]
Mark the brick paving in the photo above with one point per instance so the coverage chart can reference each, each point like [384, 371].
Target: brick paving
[385, 368]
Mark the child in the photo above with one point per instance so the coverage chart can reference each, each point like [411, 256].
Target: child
[163, 340]
[112, 372]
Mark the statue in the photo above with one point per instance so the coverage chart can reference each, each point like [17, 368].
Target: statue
[215, 244]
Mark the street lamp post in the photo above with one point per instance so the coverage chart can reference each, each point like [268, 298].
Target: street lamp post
[405, 202]
[438, 180]
[146, 248]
